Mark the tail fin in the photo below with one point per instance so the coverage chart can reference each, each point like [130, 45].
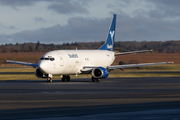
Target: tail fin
[109, 44]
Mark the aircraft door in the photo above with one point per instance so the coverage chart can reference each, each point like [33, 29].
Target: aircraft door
[61, 61]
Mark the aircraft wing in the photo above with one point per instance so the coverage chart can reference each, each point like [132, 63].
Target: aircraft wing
[23, 63]
[88, 69]
[134, 65]
[131, 52]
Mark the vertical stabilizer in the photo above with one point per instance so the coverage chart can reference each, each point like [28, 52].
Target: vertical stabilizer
[109, 44]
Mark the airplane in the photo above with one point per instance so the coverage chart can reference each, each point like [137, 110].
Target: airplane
[74, 62]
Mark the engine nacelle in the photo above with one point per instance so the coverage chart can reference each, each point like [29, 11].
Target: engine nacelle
[100, 72]
[39, 74]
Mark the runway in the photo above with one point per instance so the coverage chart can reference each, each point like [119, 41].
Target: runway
[112, 98]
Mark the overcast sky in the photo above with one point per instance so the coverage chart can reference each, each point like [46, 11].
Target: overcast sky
[59, 21]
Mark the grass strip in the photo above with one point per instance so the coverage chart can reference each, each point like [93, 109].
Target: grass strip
[168, 70]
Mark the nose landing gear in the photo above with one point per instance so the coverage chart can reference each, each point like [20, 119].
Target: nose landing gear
[49, 80]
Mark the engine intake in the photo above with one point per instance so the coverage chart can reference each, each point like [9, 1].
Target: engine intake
[100, 72]
[39, 74]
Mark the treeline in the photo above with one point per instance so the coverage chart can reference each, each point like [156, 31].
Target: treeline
[157, 46]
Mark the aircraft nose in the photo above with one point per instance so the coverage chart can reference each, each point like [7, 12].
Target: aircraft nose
[43, 66]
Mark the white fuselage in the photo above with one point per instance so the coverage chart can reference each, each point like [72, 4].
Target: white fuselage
[68, 62]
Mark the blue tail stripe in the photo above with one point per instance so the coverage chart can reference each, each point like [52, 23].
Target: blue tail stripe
[109, 44]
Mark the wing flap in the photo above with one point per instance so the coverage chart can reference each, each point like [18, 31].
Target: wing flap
[135, 65]
[23, 63]
[131, 52]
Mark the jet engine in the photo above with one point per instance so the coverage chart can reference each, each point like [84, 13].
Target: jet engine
[100, 72]
[39, 74]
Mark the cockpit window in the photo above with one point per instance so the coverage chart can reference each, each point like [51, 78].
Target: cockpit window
[52, 59]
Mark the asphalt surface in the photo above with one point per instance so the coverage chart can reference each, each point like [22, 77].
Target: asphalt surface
[79, 99]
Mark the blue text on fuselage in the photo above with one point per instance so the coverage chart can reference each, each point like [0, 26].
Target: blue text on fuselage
[72, 55]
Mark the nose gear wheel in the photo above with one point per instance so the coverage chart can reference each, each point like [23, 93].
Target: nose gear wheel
[49, 80]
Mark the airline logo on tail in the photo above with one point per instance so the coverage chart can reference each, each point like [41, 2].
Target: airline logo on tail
[112, 35]
[110, 46]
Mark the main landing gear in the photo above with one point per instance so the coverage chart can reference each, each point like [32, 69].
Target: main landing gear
[95, 79]
[65, 78]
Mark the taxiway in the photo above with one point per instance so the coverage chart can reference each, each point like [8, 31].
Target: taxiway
[112, 98]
